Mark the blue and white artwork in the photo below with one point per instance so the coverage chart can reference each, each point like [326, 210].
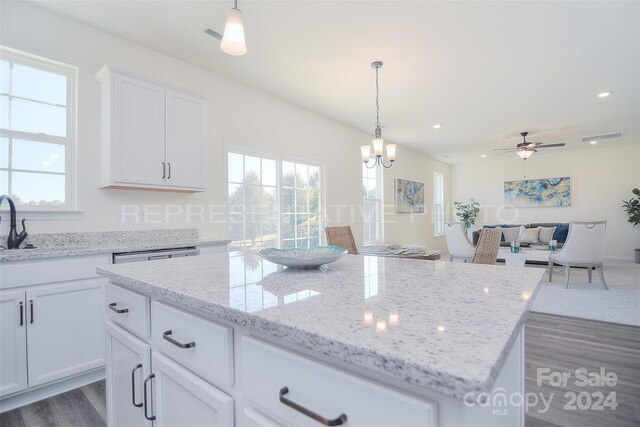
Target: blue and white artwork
[537, 193]
[409, 196]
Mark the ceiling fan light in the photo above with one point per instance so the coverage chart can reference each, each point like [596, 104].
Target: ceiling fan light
[524, 154]
[233, 41]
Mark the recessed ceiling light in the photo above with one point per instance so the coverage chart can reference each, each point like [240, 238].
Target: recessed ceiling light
[483, 155]
[593, 142]
[603, 94]
[437, 126]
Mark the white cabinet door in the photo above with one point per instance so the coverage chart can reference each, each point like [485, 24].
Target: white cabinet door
[138, 132]
[184, 399]
[13, 342]
[185, 133]
[128, 364]
[66, 329]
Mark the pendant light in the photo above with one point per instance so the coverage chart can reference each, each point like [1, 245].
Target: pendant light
[233, 41]
[378, 142]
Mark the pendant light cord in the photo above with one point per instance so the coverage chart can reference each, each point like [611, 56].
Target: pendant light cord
[235, 4]
[377, 99]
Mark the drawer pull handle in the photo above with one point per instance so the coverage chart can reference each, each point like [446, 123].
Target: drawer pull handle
[21, 313]
[342, 418]
[167, 336]
[133, 386]
[113, 307]
[144, 398]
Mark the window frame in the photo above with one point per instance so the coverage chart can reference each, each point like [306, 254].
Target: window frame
[380, 205]
[279, 159]
[69, 141]
[438, 205]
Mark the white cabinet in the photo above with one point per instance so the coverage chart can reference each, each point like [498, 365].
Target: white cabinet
[128, 364]
[65, 330]
[13, 343]
[184, 399]
[153, 133]
[138, 132]
[165, 379]
[51, 327]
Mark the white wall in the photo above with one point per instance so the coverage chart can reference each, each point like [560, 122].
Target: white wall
[601, 178]
[237, 116]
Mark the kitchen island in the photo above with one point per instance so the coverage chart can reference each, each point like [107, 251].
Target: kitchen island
[380, 341]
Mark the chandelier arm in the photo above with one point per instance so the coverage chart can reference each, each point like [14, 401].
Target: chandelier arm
[385, 166]
[373, 165]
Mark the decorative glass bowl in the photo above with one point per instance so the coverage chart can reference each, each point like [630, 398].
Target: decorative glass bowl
[303, 259]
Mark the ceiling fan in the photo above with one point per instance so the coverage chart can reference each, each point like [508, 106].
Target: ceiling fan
[525, 149]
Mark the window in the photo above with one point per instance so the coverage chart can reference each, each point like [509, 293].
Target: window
[37, 130]
[300, 205]
[260, 188]
[438, 204]
[372, 204]
[252, 201]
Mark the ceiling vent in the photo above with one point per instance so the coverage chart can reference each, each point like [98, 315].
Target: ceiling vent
[213, 33]
[601, 137]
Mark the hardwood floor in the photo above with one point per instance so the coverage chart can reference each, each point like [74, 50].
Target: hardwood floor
[561, 344]
[82, 407]
[564, 344]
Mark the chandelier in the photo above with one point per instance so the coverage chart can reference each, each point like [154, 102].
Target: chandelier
[378, 142]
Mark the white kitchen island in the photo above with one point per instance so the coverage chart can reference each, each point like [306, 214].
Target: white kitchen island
[229, 339]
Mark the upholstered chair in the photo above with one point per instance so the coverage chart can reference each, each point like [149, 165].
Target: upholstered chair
[584, 248]
[488, 246]
[459, 245]
[343, 237]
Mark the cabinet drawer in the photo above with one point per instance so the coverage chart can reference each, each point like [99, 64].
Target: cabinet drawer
[50, 270]
[200, 345]
[136, 317]
[323, 390]
[253, 418]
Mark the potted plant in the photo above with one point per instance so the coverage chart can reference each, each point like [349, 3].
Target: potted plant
[632, 208]
[467, 213]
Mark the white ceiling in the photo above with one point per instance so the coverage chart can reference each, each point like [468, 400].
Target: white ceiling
[485, 70]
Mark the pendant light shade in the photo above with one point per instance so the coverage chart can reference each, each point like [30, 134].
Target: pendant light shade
[233, 41]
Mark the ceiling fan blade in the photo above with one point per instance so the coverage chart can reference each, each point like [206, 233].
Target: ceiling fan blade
[562, 144]
[506, 152]
[503, 149]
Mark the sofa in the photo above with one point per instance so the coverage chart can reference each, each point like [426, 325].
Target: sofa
[560, 233]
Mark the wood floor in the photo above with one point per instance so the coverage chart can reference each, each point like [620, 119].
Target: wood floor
[82, 407]
[561, 344]
[564, 344]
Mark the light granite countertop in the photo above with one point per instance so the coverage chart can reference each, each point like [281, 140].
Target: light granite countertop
[95, 243]
[443, 326]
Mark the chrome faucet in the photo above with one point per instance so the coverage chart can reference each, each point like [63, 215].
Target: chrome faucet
[14, 240]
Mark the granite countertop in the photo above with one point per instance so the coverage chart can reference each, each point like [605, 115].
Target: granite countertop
[443, 326]
[95, 243]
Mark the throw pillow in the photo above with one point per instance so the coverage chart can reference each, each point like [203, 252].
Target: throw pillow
[546, 234]
[510, 233]
[528, 235]
[561, 233]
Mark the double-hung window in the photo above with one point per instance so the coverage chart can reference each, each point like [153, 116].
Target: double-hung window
[37, 131]
[372, 204]
[438, 204]
[273, 202]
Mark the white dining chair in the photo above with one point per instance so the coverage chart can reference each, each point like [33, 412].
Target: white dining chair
[584, 248]
[458, 243]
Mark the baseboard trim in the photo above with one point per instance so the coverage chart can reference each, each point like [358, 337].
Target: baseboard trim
[619, 258]
[48, 390]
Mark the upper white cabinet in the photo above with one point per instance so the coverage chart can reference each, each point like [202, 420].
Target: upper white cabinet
[153, 133]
